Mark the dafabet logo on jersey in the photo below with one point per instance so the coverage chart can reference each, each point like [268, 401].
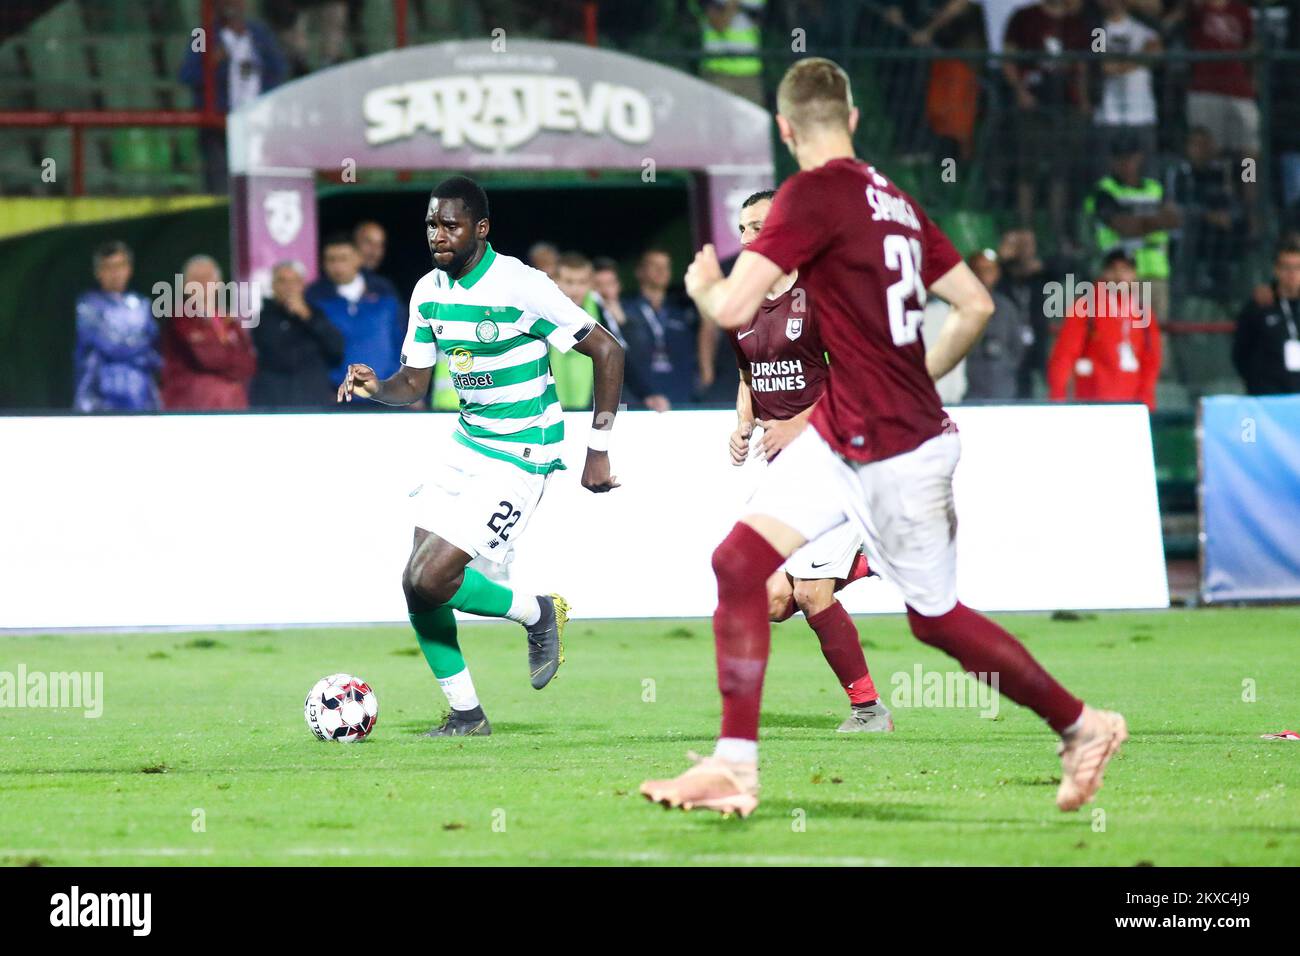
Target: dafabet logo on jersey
[462, 360]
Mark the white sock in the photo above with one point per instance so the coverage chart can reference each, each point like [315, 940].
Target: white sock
[524, 609]
[737, 750]
[459, 689]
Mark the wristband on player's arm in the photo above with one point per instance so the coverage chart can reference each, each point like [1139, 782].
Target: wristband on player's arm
[598, 438]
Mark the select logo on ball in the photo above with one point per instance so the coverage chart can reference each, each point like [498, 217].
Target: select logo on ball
[342, 708]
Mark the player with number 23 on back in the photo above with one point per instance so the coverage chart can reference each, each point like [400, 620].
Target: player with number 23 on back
[880, 452]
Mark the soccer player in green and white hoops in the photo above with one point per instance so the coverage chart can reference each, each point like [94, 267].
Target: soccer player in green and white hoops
[493, 317]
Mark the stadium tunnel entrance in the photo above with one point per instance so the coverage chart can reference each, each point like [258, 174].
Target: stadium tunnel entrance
[598, 214]
[534, 107]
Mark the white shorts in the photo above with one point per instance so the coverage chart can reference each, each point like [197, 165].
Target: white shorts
[830, 556]
[479, 504]
[901, 506]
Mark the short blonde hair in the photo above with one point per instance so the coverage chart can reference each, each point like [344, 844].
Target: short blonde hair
[815, 92]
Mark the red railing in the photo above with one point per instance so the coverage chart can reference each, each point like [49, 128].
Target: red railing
[205, 117]
[81, 120]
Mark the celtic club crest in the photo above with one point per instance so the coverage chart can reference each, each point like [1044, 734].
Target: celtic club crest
[487, 331]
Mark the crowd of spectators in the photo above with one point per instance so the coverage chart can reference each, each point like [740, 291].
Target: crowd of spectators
[1083, 88]
[134, 353]
[1104, 345]
[667, 347]
[204, 351]
[1070, 85]
[1108, 344]
[1125, 161]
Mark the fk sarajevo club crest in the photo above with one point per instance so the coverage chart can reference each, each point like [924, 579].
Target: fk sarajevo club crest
[793, 328]
[283, 208]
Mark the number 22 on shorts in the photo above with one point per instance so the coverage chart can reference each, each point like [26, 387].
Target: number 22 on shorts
[509, 514]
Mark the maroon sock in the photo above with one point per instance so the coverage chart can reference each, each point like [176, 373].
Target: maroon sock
[843, 651]
[741, 631]
[981, 647]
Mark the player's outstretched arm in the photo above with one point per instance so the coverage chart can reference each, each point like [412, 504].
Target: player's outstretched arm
[730, 302]
[607, 367]
[406, 386]
[972, 306]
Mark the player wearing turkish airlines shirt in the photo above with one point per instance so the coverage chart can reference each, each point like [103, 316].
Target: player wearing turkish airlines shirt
[880, 453]
[783, 373]
[780, 355]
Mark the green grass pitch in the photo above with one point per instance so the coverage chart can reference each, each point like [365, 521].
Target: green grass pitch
[202, 756]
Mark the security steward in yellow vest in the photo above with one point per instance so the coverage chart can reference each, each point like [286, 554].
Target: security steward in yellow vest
[732, 38]
[1128, 211]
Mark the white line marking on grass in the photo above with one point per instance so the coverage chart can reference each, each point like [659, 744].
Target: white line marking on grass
[112, 851]
[618, 856]
[594, 856]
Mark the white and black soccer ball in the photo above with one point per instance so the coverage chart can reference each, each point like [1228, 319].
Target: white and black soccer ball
[341, 707]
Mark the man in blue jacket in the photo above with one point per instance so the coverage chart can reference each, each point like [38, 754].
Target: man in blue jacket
[371, 320]
[249, 63]
[117, 357]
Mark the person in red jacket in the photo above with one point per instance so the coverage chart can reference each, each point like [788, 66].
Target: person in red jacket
[1110, 342]
[208, 359]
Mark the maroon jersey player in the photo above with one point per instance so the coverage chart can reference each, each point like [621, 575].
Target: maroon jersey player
[783, 372]
[880, 452]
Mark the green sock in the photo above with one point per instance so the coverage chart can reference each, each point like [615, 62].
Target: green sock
[436, 631]
[478, 595]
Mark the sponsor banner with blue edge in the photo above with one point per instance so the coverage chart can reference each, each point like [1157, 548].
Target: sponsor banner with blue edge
[1250, 494]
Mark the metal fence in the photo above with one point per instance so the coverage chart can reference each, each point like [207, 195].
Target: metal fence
[95, 87]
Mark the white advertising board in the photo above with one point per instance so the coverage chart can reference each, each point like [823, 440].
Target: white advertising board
[228, 520]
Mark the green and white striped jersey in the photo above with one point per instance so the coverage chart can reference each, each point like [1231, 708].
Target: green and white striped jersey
[493, 326]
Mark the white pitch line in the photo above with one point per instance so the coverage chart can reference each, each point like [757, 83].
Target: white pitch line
[615, 856]
[112, 851]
